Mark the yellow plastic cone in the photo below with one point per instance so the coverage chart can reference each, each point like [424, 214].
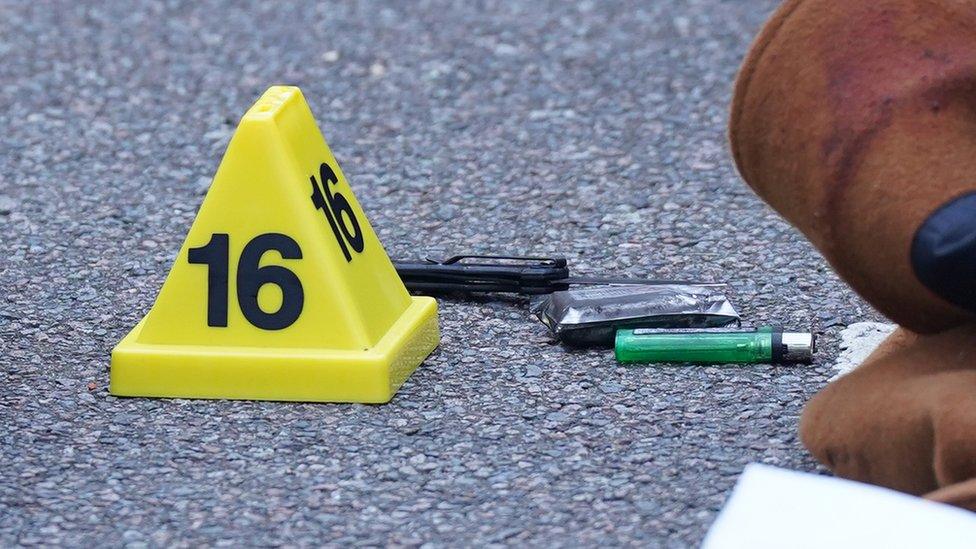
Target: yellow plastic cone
[281, 291]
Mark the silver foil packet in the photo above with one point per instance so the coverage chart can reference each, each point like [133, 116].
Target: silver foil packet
[592, 315]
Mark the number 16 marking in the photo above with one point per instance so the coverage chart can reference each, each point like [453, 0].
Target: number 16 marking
[334, 205]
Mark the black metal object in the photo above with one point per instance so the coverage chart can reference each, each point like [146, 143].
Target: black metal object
[510, 274]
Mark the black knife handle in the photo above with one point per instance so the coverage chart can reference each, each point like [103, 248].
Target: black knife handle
[484, 273]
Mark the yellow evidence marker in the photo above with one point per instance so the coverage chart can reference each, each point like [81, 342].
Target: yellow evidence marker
[281, 291]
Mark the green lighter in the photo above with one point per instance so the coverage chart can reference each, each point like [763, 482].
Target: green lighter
[714, 346]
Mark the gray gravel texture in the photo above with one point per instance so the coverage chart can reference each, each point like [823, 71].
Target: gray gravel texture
[590, 129]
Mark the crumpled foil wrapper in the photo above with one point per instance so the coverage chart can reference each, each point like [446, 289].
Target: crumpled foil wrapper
[591, 316]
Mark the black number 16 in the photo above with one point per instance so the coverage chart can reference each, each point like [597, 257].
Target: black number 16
[337, 211]
[250, 277]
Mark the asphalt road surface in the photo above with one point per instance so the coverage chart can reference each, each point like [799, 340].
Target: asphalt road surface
[592, 129]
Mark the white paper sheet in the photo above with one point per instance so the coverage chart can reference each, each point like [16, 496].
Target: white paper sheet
[777, 508]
